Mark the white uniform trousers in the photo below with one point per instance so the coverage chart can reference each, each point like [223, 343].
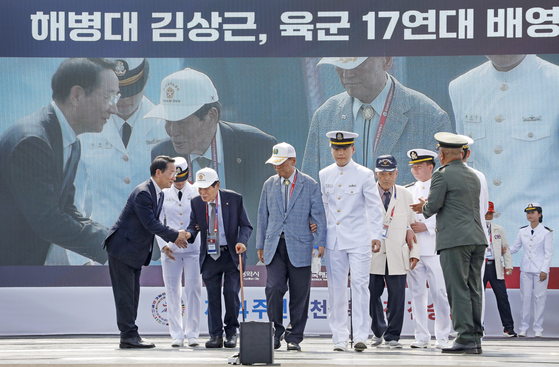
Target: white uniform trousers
[189, 262]
[338, 264]
[531, 288]
[429, 269]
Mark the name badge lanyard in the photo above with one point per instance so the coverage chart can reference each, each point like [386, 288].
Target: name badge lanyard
[382, 121]
[490, 247]
[208, 218]
[293, 185]
[214, 160]
[386, 225]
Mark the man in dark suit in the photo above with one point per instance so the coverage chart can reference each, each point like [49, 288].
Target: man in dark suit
[461, 241]
[220, 217]
[190, 104]
[130, 245]
[38, 210]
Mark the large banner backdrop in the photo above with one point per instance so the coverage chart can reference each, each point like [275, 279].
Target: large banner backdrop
[262, 57]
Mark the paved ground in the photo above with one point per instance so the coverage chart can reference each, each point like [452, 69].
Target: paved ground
[86, 351]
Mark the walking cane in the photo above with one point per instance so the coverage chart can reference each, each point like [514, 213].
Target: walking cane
[350, 314]
[242, 289]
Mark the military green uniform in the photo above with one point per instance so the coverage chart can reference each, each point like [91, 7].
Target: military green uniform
[461, 242]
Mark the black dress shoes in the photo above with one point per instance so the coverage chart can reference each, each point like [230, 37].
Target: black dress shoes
[135, 342]
[462, 349]
[231, 341]
[293, 346]
[478, 348]
[277, 341]
[215, 342]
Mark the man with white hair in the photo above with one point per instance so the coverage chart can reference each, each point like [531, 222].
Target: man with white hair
[190, 106]
[388, 116]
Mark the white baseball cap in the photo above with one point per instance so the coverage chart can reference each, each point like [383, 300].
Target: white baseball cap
[205, 178]
[182, 94]
[343, 62]
[280, 153]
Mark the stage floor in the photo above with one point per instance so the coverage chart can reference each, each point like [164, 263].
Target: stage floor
[95, 350]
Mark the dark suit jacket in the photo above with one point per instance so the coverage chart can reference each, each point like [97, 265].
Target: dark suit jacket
[130, 239]
[235, 222]
[454, 197]
[245, 151]
[37, 198]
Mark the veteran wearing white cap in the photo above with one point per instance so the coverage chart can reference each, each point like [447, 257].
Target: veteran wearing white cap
[290, 202]
[428, 269]
[190, 104]
[388, 116]
[180, 264]
[113, 162]
[354, 218]
[536, 242]
[219, 217]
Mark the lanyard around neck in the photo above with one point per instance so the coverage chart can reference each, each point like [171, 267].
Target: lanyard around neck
[207, 217]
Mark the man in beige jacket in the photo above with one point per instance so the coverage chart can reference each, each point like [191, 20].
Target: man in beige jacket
[494, 273]
[396, 255]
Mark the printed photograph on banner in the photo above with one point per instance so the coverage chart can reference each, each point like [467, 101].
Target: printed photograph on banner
[60, 214]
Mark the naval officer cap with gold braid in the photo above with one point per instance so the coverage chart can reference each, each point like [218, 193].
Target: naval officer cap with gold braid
[466, 147]
[182, 169]
[537, 207]
[132, 75]
[421, 155]
[341, 139]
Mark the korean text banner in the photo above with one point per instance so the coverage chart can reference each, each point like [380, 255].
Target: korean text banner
[255, 28]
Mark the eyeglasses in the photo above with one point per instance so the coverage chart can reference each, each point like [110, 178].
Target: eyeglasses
[113, 100]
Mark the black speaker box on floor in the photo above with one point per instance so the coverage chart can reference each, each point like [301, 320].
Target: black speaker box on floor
[257, 343]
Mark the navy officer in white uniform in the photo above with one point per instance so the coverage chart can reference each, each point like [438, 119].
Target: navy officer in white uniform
[354, 225]
[181, 263]
[428, 269]
[537, 244]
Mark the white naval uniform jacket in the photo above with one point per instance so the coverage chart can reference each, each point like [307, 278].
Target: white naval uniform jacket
[499, 241]
[538, 248]
[108, 171]
[177, 216]
[426, 239]
[352, 205]
[394, 248]
[513, 118]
